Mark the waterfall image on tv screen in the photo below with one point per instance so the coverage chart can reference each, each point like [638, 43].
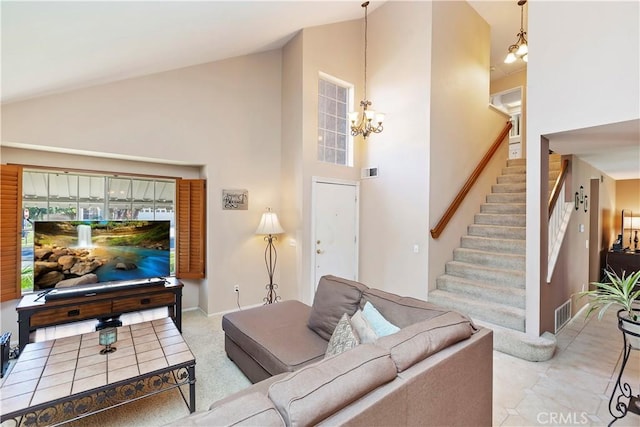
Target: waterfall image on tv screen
[68, 253]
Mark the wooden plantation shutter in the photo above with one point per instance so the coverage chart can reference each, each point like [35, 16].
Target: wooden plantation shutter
[10, 231]
[191, 228]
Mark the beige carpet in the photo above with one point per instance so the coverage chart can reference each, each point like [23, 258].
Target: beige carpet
[216, 377]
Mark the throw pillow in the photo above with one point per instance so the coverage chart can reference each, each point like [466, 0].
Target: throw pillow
[343, 338]
[380, 325]
[363, 328]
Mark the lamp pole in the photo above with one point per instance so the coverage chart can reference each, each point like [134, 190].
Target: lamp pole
[270, 260]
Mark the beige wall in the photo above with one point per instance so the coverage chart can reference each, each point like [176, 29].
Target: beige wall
[463, 127]
[509, 82]
[628, 195]
[572, 272]
[394, 205]
[223, 116]
[292, 214]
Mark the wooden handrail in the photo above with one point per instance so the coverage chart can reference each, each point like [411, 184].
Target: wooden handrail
[558, 185]
[453, 207]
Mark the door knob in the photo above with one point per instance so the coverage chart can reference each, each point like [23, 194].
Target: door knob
[318, 251]
[317, 242]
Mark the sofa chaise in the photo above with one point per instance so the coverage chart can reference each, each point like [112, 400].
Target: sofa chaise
[435, 370]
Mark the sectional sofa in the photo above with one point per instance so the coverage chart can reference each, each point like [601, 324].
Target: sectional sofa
[435, 370]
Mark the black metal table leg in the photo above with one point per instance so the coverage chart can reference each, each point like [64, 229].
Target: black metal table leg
[192, 388]
[619, 406]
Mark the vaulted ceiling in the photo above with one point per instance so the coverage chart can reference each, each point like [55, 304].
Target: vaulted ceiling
[50, 47]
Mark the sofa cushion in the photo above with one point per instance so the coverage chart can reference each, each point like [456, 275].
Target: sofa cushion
[334, 297]
[275, 336]
[401, 311]
[363, 328]
[420, 340]
[343, 338]
[312, 393]
[380, 325]
[261, 387]
[254, 409]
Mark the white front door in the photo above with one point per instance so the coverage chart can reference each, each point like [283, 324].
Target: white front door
[334, 229]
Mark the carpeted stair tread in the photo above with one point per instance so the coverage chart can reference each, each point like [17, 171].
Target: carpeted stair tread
[507, 198]
[555, 166]
[510, 170]
[516, 162]
[511, 179]
[500, 294]
[491, 244]
[518, 187]
[497, 231]
[499, 276]
[499, 314]
[504, 208]
[505, 261]
[510, 220]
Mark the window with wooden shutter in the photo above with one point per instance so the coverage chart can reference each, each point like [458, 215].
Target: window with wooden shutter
[10, 231]
[190, 229]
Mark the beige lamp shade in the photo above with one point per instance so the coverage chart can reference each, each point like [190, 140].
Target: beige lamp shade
[269, 224]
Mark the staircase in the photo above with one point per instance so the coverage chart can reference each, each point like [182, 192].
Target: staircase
[486, 278]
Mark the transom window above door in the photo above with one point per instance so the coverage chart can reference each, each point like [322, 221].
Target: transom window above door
[335, 100]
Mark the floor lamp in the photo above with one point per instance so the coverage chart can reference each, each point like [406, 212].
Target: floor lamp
[270, 226]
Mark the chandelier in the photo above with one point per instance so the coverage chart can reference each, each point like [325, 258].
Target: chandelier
[519, 50]
[369, 121]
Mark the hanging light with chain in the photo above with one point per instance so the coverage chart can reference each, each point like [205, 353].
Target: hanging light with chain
[368, 121]
[519, 50]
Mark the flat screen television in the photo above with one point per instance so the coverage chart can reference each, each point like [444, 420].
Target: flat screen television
[70, 253]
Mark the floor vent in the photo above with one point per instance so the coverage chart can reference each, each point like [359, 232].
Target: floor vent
[563, 315]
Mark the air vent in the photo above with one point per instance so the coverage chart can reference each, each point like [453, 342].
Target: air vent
[369, 173]
[563, 315]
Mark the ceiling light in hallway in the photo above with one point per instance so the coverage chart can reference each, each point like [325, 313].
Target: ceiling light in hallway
[519, 50]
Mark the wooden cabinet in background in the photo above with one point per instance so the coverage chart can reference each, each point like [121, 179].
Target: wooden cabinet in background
[629, 262]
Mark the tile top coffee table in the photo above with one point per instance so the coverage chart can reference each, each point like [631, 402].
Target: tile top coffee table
[67, 378]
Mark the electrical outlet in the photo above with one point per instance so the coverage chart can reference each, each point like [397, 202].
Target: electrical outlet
[236, 288]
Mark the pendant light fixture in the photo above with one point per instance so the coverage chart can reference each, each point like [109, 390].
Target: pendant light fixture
[519, 50]
[369, 121]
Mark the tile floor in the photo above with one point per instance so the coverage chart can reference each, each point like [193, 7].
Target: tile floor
[571, 389]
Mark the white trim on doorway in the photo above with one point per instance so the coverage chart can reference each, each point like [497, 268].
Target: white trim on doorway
[312, 252]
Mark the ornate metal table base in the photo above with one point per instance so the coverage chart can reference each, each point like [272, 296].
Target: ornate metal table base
[622, 399]
[91, 402]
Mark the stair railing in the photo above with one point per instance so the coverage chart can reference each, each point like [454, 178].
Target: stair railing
[559, 215]
[558, 187]
[453, 207]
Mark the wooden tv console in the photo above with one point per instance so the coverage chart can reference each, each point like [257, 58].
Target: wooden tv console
[35, 312]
